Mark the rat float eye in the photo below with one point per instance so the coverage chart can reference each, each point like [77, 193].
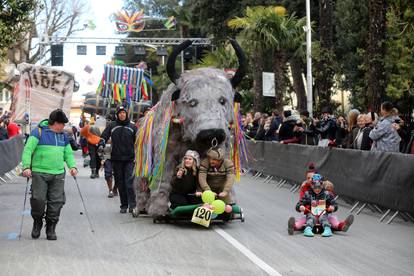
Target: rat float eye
[222, 100]
[193, 103]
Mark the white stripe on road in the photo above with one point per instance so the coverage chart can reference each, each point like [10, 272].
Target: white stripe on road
[246, 252]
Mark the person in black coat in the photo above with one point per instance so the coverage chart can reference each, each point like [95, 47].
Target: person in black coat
[122, 133]
[327, 126]
[185, 182]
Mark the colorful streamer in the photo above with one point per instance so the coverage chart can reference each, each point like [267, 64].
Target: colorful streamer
[129, 84]
[239, 150]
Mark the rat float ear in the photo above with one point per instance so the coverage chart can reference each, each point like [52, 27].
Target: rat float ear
[237, 97]
[176, 95]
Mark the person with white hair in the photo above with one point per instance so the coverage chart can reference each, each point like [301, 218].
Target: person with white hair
[185, 182]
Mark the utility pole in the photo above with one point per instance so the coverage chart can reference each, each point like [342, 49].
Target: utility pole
[309, 81]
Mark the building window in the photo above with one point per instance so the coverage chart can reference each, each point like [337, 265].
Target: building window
[119, 50]
[81, 49]
[100, 50]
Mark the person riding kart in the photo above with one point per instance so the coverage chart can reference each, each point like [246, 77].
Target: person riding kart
[185, 182]
[217, 174]
[298, 224]
[315, 196]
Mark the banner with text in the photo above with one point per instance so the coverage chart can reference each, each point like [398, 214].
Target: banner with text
[41, 90]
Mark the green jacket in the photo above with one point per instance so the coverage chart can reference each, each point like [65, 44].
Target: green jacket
[47, 151]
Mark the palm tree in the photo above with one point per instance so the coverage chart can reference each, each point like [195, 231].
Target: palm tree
[255, 43]
[266, 29]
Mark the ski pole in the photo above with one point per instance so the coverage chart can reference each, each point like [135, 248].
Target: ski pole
[84, 206]
[24, 207]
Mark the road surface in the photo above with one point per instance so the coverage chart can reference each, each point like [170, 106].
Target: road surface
[122, 245]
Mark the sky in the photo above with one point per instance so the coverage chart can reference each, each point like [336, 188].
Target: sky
[100, 13]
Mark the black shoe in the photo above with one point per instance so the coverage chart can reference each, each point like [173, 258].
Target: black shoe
[93, 173]
[130, 210]
[50, 231]
[37, 228]
[123, 210]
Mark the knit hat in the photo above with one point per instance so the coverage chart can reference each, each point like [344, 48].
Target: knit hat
[287, 113]
[57, 116]
[194, 155]
[216, 153]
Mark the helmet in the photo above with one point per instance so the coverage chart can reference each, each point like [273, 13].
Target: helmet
[317, 181]
[316, 177]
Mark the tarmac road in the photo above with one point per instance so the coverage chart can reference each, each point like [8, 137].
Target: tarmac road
[122, 245]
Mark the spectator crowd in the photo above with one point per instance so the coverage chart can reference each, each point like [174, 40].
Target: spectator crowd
[388, 131]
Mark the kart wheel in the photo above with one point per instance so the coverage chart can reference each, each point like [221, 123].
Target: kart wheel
[154, 220]
[241, 215]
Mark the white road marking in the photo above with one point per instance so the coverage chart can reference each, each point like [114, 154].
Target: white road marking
[249, 254]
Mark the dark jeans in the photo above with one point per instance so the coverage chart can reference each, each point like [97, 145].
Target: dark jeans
[124, 176]
[47, 189]
[95, 160]
[181, 200]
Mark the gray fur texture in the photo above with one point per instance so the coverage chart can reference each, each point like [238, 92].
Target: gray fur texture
[205, 102]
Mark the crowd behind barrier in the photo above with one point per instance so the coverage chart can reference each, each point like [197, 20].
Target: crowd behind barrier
[381, 178]
[10, 153]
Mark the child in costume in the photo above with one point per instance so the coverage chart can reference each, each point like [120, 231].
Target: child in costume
[333, 220]
[313, 197]
[298, 224]
[106, 164]
[185, 182]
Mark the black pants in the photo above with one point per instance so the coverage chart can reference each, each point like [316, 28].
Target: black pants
[181, 200]
[47, 189]
[124, 176]
[95, 160]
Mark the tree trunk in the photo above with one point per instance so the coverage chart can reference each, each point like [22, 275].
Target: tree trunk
[324, 75]
[296, 66]
[258, 64]
[375, 77]
[279, 69]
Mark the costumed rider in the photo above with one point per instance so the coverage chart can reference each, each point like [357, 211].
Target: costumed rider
[122, 133]
[217, 174]
[44, 157]
[311, 198]
[185, 182]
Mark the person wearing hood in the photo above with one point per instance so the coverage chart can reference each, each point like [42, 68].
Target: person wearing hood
[44, 157]
[384, 135]
[185, 182]
[122, 133]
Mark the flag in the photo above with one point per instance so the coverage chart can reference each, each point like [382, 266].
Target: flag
[170, 23]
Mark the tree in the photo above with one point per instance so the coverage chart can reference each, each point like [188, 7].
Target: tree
[14, 22]
[324, 72]
[49, 18]
[399, 59]
[277, 33]
[351, 32]
[375, 77]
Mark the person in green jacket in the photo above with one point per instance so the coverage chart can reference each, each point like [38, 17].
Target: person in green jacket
[44, 157]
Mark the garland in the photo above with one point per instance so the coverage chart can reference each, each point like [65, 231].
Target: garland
[238, 152]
